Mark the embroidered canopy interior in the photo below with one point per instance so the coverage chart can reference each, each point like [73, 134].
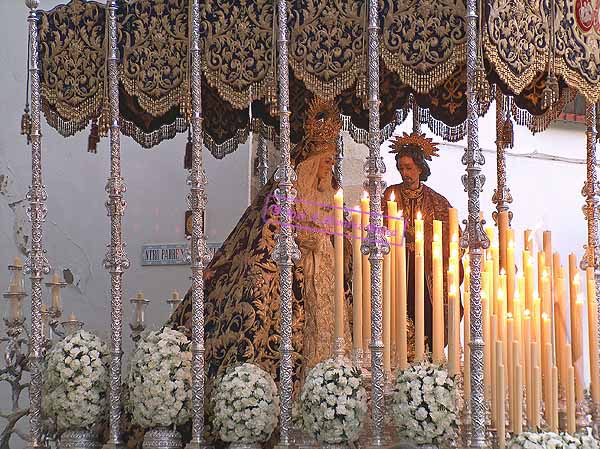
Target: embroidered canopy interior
[423, 54]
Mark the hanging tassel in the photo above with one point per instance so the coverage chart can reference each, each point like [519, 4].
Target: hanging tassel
[508, 134]
[550, 92]
[104, 120]
[187, 159]
[361, 89]
[482, 87]
[93, 138]
[26, 125]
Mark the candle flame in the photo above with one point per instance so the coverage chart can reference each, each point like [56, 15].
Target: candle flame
[392, 196]
[502, 272]
[340, 192]
[579, 299]
[511, 244]
[454, 238]
[544, 274]
[400, 214]
[452, 290]
[509, 315]
[526, 313]
[516, 296]
[577, 279]
[419, 215]
[545, 316]
[500, 293]
[530, 261]
[365, 195]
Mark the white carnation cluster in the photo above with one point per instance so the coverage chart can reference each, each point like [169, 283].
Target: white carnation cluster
[246, 405]
[424, 404]
[160, 379]
[76, 381]
[551, 440]
[333, 402]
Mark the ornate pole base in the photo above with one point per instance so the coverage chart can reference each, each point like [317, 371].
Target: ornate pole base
[357, 358]
[339, 350]
[162, 438]
[79, 439]
[199, 445]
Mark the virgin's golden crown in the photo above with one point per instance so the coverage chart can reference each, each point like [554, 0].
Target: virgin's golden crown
[323, 123]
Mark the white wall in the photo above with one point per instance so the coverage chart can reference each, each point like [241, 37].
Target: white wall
[77, 228]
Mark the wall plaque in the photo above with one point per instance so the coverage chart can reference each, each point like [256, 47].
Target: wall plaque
[164, 254]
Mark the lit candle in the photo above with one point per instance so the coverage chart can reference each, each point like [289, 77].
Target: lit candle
[401, 343]
[494, 364]
[453, 363]
[438, 294]
[357, 312]
[392, 212]
[503, 237]
[338, 241]
[510, 365]
[510, 273]
[540, 272]
[536, 331]
[500, 394]
[366, 274]
[536, 386]
[593, 335]
[577, 344]
[529, 279]
[554, 427]
[560, 326]
[387, 314]
[528, 371]
[527, 239]
[419, 291]
[548, 383]
[453, 223]
[517, 402]
[571, 422]
[496, 275]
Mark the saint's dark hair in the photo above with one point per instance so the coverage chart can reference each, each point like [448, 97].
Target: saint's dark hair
[416, 155]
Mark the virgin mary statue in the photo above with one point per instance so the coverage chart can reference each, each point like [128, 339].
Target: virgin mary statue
[242, 298]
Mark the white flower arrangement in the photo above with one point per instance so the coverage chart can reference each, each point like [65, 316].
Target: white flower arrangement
[246, 405]
[333, 402]
[160, 379]
[551, 440]
[76, 381]
[424, 404]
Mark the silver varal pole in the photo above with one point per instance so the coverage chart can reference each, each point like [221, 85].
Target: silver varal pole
[286, 251]
[197, 203]
[116, 261]
[376, 245]
[590, 191]
[38, 264]
[474, 236]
